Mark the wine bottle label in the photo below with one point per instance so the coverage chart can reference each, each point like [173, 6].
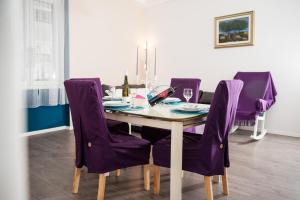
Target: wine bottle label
[163, 94]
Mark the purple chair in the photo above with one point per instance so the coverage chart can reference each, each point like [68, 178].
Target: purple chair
[257, 96]
[205, 154]
[181, 83]
[96, 148]
[112, 125]
[151, 134]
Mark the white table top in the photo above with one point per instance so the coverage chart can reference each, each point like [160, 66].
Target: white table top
[164, 112]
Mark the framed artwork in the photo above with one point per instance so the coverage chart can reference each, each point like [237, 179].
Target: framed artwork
[234, 30]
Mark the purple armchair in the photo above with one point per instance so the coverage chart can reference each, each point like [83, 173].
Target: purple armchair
[150, 133]
[96, 148]
[257, 96]
[205, 154]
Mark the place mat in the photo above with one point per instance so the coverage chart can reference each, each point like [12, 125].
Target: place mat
[173, 103]
[189, 112]
[128, 108]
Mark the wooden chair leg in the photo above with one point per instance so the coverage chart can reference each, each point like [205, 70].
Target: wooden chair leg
[147, 177]
[118, 172]
[225, 182]
[76, 179]
[216, 179]
[208, 188]
[156, 186]
[101, 187]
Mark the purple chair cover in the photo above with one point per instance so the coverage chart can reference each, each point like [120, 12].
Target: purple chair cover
[257, 96]
[96, 148]
[112, 125]
[150, 133]
[207, 154]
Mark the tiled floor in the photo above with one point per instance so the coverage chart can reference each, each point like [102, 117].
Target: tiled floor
[263, 170]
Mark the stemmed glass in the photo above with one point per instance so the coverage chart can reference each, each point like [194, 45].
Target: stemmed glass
[187, 93]
[132, 97]
[112, 90]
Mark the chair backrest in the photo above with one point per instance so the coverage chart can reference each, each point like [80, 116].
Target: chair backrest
[205, 97]
[257, 85]
[98, 82]
[182, 83]
[222, 111]
[91, 134]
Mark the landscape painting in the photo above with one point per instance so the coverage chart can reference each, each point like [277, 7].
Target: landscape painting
[234, 30]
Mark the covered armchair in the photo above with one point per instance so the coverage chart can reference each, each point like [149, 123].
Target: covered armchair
[205, 154]
[257, 97]
[96, 149]
[155, 134]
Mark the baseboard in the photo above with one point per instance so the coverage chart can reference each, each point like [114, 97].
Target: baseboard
[48, 130]
[274, 132]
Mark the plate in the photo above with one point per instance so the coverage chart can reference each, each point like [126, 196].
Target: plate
[115, 104]
[171, 100]
[110, 98]
[191, 108]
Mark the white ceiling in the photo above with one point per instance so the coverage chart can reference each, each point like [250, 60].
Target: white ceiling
[151, 2]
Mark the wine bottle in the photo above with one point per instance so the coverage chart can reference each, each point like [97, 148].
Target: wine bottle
[125, 89]
[161, 96]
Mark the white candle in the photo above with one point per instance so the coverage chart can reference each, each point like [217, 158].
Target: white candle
[146, 59]
[137, 61]
[155, 72]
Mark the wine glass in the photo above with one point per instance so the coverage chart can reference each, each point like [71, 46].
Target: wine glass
[112, 90]
[132, 97]
[187, 93]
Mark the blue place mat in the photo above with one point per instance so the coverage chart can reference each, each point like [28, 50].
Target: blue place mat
[173, 103]
[125, 108]
[189, 112]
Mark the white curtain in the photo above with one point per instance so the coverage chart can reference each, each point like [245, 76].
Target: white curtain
[44, 72]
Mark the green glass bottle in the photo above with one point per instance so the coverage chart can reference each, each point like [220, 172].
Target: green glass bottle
[125, 90]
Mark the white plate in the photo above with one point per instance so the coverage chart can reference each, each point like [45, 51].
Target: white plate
[191, 108]
[171, 100]
[115, 104]
[110, 98]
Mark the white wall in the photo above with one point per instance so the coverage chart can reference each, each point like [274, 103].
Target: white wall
[103, 38]
[104, 35]
[184, 35]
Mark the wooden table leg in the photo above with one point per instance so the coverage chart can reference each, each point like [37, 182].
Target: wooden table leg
[176, 161]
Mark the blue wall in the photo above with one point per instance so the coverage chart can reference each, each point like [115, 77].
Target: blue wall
[45, 117]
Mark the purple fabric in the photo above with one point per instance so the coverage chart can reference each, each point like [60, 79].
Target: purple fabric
[155, 134]
[207, 154]
[181, 83]
[112, 125]
[257, 96]
[96, 148]
[194, 84]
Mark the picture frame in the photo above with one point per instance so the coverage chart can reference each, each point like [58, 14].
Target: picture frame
[234, 30]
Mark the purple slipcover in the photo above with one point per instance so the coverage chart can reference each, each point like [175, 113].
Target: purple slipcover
[112, 125]
[155, 134]
[96, 148]
[207, 154]
[181, 83]
[257, 96]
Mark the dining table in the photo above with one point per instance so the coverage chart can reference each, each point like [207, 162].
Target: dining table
[166, 117]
